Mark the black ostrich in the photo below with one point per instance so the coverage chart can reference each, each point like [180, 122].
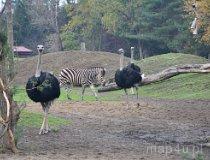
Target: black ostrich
[43, 87]
[127, 77]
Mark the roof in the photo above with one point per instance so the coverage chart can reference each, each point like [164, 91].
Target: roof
[21, 49]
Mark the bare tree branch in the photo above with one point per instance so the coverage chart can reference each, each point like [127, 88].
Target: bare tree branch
[165, 74]
[2, 88]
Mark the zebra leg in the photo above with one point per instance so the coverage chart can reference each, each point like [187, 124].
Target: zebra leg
[92, 87]
[83, 91]
[68, 90]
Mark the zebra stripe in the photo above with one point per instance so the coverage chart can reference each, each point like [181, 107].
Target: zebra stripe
[70, 77]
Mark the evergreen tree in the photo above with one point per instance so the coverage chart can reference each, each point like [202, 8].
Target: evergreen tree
[160, 25]
[22, 23]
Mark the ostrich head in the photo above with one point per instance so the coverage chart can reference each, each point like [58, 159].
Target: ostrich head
[132, 49]
[121, 51]
[40, 48]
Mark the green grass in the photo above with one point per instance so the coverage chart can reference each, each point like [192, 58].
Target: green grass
[182, 87]
[21, 96]
[31, 119]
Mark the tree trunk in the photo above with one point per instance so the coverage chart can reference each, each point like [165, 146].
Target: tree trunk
[58, 42]
[141, 56]
[10, 39]
[165, 74]
[9, 113]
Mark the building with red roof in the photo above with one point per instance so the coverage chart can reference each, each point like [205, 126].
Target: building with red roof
[22, 51]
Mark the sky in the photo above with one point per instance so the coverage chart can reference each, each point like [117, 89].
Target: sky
[61, 2]
[0, 4]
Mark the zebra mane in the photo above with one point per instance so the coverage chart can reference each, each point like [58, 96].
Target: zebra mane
[95, 67]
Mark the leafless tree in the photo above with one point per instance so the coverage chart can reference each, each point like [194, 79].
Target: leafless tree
[10, 38]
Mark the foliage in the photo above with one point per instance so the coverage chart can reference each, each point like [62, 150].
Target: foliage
[85, 20]
[3, 38]
[69, 40]
[153, 27]
[22, 22]
[203, 14]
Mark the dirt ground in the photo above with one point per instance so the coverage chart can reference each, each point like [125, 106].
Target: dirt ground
[145, 130]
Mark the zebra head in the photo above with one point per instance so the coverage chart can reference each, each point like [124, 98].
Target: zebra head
[101, 76]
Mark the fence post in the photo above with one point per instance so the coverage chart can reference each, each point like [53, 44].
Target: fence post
[83, 49]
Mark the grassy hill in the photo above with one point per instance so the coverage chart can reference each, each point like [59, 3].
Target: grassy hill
[186, 86]
[158, 63]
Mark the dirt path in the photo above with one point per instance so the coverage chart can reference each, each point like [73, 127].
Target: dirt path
[151, 130]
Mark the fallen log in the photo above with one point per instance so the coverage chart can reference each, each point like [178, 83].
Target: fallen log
[165, 74]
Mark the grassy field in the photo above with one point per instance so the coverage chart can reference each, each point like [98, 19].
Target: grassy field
[29, 119]
[34, 120]
[181, 87]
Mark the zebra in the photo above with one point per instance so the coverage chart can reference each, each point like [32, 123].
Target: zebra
[92, 77]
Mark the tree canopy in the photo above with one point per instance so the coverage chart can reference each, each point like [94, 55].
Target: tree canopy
[152, 26]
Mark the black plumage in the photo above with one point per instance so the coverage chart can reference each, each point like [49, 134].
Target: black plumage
[135, 67]
[129, 76]
[44, 88]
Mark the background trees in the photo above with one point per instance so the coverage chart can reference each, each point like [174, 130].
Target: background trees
[152, 26]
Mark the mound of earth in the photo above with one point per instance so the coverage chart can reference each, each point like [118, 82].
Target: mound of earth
[56, 61]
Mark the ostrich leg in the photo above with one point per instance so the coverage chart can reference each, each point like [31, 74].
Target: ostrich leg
[137, 89]
[45, 128]
[137, 94]
[132, 90]
[41, 131]
[126, 93]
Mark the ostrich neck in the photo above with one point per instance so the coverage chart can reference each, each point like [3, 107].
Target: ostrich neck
[38, 67]
[121, 61]
[132, 59]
